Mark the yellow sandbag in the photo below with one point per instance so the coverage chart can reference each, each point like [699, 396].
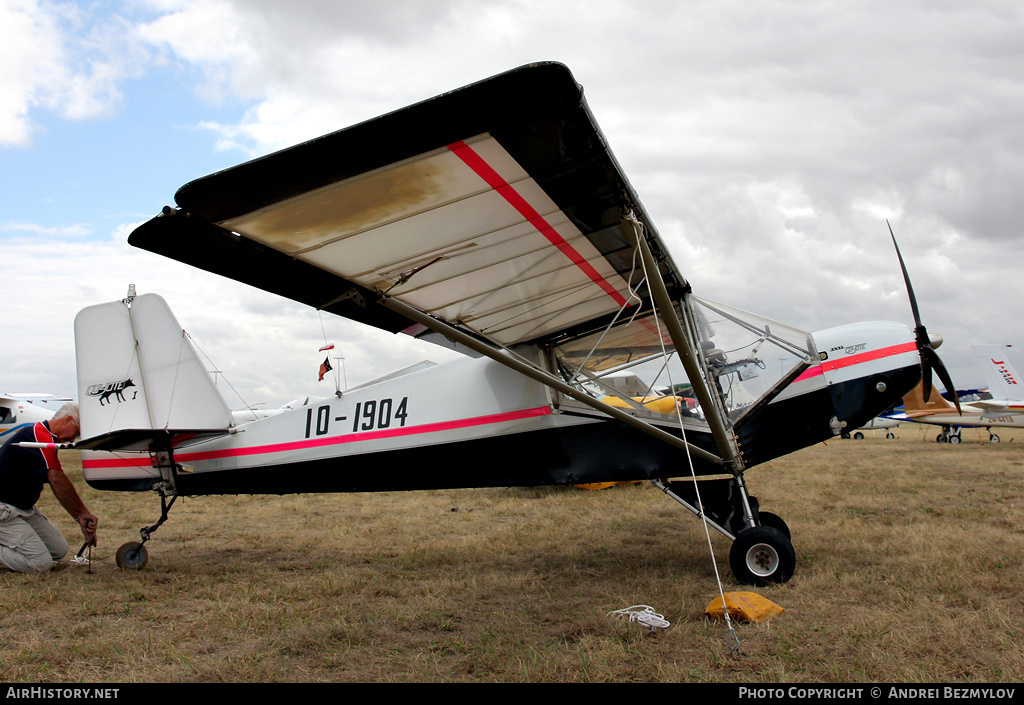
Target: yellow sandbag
[744, 606]
[604, 485]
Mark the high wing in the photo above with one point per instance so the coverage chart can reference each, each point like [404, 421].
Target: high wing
[497, 208]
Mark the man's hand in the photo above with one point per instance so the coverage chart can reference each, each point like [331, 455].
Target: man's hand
[89, 524]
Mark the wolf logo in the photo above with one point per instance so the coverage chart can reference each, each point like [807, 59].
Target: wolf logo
[104, 391]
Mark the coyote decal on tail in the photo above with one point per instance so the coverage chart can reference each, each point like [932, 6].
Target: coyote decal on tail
[104, 391]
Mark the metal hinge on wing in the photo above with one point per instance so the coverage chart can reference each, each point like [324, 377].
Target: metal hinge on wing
[350, 294]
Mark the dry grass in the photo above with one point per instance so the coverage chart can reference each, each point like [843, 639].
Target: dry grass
[909, 571]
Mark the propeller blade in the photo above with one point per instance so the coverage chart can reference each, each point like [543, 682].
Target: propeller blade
[906, 278]
[940, 370]
[929, 358]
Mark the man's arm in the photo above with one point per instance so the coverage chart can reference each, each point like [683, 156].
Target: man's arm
[67, 495]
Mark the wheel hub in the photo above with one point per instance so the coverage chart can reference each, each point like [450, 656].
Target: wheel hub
[762, 559]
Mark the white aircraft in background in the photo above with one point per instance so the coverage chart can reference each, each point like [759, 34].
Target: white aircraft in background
[17, 410]
[879, 422]
[1004, 410]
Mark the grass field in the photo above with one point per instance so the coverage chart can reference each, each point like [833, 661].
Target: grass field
[909, 570]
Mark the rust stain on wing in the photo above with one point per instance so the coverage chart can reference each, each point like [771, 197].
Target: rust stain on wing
[334, 212]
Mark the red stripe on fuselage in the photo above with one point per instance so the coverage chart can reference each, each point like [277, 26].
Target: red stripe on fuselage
[851, 360]
[185, 457]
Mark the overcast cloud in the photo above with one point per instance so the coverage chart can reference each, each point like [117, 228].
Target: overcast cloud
[769, 141]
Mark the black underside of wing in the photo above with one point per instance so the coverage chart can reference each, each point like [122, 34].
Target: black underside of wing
[537, 113]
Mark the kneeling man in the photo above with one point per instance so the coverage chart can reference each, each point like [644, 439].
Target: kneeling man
[28, 541]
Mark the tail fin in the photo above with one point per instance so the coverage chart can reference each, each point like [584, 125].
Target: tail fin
[1004, 382]
[915, 401]
[138, 370]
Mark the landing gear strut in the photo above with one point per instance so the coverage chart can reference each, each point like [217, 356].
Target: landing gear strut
[762, 551]
[133, 555]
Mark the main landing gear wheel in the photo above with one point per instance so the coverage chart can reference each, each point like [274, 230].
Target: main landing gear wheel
[761, 556]
[131, 556]
[774, 521]
[993, 438]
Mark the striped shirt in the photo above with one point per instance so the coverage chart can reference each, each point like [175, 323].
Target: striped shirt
[23, 471]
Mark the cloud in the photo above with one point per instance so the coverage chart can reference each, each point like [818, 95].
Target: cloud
[267, 347]
[59, 57]
[75, 230]
[769, 142]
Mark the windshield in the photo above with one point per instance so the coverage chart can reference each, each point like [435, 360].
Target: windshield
[744, 354]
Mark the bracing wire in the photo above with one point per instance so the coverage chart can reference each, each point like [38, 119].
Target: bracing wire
[174, 382]
[625, 304]
[226, 380]
[731, 636]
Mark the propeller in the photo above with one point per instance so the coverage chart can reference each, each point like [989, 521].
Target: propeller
[925, 344]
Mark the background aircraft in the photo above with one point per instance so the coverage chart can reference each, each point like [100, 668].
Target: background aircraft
[1003, 408]
[879, 422]
[17, 410]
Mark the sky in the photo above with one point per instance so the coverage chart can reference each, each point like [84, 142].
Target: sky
[768, 141]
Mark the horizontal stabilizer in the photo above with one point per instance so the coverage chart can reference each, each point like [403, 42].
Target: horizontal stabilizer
[143, 439]
[995, 408]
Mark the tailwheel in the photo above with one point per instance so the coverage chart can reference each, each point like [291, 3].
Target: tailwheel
[131, 556]
[993, 438]
[762, 555]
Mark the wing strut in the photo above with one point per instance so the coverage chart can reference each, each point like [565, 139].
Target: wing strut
[541, 376]
[724, 438]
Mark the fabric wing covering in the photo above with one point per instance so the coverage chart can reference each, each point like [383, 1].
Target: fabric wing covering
[497, 208]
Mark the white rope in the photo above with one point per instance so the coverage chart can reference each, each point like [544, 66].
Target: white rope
[731, 636]
[641, 614]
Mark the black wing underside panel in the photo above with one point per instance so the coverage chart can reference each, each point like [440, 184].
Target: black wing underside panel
[497, 207]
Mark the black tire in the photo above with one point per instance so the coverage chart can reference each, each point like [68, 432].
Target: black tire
[762, 556]
[858, 436]
[941, 438]
[774, 521]
[993, 438]
[890, 434]
[954, 439]
[131, 556]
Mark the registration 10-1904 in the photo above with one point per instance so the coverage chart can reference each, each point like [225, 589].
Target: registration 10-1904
[369, 415]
